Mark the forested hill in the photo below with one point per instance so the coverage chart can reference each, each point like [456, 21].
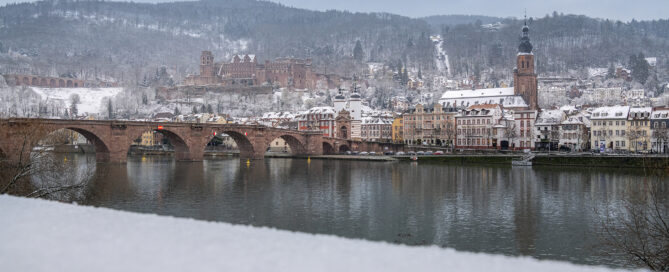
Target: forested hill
[127, 40]
[130, 40]
[561, 43]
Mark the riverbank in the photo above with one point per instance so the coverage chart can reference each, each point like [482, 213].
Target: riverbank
[43, 235]
[581, 160]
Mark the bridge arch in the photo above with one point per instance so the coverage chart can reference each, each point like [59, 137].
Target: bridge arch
[61, 83]
[343, 148]
[43, 82]
[69, 83]
[181, 148]
[26, 81]
[296, 146]
[328, 149]
[102, 151]
[246, 148]
[52, 83]
[35, 81]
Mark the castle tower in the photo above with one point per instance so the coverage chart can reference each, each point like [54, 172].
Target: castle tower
[524, 77]
[355, 104]
[207, 65]
[339, 102]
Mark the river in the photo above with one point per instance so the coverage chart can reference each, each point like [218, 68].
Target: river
[547, 213]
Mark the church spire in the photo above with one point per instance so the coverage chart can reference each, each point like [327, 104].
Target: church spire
[525, 44]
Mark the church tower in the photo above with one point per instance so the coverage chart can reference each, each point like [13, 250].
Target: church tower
[524, 77]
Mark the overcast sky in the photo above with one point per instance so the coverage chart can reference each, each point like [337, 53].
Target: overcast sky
[613, 9]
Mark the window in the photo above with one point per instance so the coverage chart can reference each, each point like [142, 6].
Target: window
[623, 143]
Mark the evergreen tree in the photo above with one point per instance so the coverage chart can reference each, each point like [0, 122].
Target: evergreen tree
[177, 112]
[640, 68]
[194, 109]
[611, 73]
[74, 110]
[357, 51]
[110, 109]
[420, 74]
[328, 98]
[203, 108]
[145, 99]
[210, 109]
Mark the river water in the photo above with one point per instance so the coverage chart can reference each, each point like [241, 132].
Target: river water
[548, 213]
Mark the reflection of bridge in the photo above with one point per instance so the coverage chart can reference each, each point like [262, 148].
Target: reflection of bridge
[113, 138]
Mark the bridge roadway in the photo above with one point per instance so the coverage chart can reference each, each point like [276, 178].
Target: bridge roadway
[113, 138]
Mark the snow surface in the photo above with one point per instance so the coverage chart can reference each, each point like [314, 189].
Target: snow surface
[91, 98]
[40, 235]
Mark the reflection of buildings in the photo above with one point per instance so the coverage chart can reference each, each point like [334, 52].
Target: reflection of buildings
[526, 214]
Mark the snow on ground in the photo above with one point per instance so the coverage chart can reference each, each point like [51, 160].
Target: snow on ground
[40, 235]
[91, 98]
[441, 58]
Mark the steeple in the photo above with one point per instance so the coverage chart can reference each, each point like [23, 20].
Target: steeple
[525, 44]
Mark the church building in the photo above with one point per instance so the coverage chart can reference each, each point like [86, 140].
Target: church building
[523, 94]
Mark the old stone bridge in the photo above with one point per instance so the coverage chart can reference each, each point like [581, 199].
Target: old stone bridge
[112, 139]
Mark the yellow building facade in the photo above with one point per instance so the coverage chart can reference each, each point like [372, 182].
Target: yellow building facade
[398, 130]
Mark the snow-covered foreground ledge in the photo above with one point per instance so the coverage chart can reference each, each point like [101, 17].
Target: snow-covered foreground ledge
[39, 235]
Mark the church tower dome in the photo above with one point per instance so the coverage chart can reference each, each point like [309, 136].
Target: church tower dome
[525, 44]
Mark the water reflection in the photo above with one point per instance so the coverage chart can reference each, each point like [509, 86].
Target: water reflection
[542, 212]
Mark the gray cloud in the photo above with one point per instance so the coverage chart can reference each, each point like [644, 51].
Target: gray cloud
[611, 9]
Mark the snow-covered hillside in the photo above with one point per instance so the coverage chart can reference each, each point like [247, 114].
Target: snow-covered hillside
[39, 235]
[91, 98]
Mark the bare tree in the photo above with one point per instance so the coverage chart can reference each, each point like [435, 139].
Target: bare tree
[640, 228]
[661, 136]
[510, 133]
[34, 171]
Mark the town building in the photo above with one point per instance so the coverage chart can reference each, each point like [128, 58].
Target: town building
[318, 118]
[575, 133]
[474, 127]
[433, 125]
[398, 129]
[660, 130]
[547, 129]
[609, 128]
[376, 129]
[523, 129]
[638, 129]
[278, 119]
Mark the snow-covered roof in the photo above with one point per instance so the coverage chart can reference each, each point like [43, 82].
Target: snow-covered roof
[576, 120]
[550, 117]
[375, 120]
[613, 112]
[477, 93]
[660, 114]
[278, 115]
[640, 113]
[319, 110]
[568, 109]
[241, 57]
